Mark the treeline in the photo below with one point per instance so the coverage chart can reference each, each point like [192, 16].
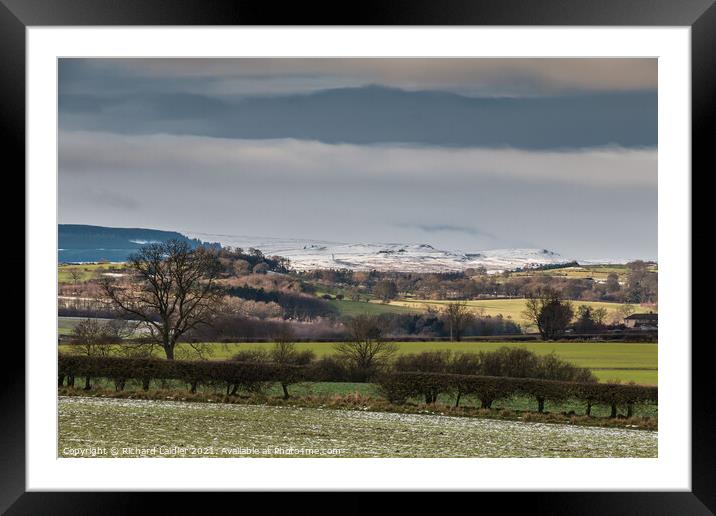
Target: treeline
[640, 285]
[548, 266]
[228, 326]
[238, 328]
[293, 305]
[237, 262]
[395, 385]
[328, 326]
[436, 325]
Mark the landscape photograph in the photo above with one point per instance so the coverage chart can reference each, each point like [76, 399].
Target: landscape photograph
[357, 258]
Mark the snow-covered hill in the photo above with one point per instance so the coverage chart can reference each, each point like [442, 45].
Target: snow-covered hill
[313, 254]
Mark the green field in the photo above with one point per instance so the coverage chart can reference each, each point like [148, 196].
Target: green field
[353, 308]
[508, 308]
[88, 271]
[135, 428]
[596, 272]
[625, 361]
[65, 325]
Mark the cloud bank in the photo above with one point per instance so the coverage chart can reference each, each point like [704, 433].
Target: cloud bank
[467, 198]
[251, 76]
[377, 114]
[459, 153]
[288, 161]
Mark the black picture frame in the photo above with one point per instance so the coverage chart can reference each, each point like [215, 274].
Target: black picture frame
[17, 15]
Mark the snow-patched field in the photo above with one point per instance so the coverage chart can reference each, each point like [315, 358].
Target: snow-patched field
[313, 254]
[138, 428]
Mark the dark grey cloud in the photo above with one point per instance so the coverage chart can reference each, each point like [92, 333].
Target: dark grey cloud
[271, 76]
[376, 114]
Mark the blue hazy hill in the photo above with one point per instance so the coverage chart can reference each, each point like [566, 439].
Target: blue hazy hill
[83, 243]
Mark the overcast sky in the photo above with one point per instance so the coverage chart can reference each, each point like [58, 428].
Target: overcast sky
[467, 154]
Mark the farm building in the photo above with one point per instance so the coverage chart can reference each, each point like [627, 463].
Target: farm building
[648, 321]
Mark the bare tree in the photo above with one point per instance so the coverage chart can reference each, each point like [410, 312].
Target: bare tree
[76, 276]
[171, 289]
[284, 352]
[589, 318]
[284, 349]
[458, 317]
[626, 310]
[366, 352]
[599, 315]
[621, 313]
[548, 311]
[386, 290]
[612, 282]
[91, 338]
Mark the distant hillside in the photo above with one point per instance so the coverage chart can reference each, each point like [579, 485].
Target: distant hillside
[365, 256]
[82, 243]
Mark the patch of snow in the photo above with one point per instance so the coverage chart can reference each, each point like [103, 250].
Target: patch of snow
[422, 257]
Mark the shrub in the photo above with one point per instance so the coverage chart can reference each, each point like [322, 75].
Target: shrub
[425, 362]
[398, 387]
[465, 363]
[551, 367]
[394, 388]
[513, 362]
[329, 369]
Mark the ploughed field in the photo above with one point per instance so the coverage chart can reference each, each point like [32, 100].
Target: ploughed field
[141, 428]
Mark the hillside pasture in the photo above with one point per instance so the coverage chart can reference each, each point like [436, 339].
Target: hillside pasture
[352, 308]
[596, 272]
[87, 271]
[508, 308]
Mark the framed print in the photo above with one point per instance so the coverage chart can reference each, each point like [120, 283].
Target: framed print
[420, 249]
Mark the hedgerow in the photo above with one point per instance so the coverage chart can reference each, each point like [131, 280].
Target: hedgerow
[234, 375]
[399, 386]
[396, 386]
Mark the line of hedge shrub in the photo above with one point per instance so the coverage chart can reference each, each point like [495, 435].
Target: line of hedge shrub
[396, 387]
[233, 375]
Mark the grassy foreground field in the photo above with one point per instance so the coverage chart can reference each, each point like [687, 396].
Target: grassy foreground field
[139, 428]
[624, 361]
